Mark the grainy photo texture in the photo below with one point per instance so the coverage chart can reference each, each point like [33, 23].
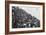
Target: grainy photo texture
[23, 19]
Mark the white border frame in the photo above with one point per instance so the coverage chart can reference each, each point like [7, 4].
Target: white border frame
[24, 29]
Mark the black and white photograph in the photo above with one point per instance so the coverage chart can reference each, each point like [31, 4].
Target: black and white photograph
[23, 19]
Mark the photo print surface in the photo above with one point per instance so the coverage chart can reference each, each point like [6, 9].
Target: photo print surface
[22, 19]
[25, 16]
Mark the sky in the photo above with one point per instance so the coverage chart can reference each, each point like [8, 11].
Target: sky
[32, 10]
